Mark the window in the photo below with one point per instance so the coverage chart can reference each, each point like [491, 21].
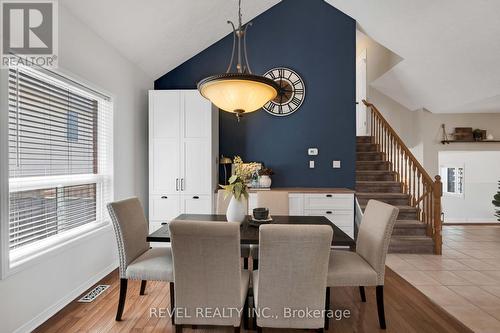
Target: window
[453, 180]
[59, 159]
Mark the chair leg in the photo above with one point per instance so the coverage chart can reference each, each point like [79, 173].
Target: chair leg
[255, 264]
[121, 300]
[172, 302]
[259, 329]
[362, 293]
[143, 287]
[245, 263]
[245, 314]
[327, 308]
[178, 328]
[320, 330]
[237, 329]
[380, 306]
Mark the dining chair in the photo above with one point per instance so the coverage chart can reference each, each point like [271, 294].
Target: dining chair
[366, 266]
[221, 209]
[277, 203]
[206, 257]
[137, 260]
[292, 275]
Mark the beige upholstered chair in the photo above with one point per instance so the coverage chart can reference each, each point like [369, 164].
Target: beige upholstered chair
[221, 209]
[208, 273]
[137, 260]
[277, 202]
[366, 266]
[292, 274]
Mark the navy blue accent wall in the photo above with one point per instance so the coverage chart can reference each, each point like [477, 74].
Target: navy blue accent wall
[317, 41]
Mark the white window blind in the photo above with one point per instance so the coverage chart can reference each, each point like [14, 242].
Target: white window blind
[60, 157]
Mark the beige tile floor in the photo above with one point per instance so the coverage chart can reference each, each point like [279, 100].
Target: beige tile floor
[465, 280]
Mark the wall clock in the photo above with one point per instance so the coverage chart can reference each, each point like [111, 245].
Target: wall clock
[291, 95]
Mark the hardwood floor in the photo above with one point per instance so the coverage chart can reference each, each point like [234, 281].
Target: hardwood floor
[407, 310]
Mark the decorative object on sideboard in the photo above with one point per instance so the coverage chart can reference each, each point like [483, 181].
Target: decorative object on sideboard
[224, 161]
[238, 91]
[291, 93]
[496, 202]
[265, 180]
[237, 189]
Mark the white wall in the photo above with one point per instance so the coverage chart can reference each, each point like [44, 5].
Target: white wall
[29, 297]
[481, 174]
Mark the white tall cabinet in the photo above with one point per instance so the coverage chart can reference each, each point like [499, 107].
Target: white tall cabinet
[183, 150]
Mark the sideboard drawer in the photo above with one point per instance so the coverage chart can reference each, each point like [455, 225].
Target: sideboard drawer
[338, 217]
[328, 201]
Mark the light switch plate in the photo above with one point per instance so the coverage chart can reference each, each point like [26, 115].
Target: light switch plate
[311, 164]
[336, 164]
[312, 151]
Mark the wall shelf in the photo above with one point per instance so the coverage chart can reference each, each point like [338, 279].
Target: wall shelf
[459, 141]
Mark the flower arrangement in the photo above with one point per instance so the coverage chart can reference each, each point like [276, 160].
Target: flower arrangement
[236, 187]
[496, 202]
[266, 172]
[245, 170]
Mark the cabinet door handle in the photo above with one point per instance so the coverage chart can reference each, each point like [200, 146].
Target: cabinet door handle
[164, 223]
[196, 197]
[182, 184]
[177, 184]
[328, 195]
[328, 211]
[164, 197]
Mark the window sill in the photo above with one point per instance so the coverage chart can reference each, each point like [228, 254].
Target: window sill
[24, 258]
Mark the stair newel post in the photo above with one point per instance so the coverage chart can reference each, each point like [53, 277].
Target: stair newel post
[437, 192]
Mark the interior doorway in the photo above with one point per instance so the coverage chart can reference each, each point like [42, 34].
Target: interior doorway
[361, 114]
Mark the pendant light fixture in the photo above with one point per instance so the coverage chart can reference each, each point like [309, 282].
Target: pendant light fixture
[238, 91]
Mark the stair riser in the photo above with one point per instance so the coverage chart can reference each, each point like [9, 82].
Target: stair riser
[407, 215]
[380, 188]
[370, 156]
[406, 231]
[373, 166]
[364, 139]
[366, 147]
[390, 201]
[411, 248]
[375, 177]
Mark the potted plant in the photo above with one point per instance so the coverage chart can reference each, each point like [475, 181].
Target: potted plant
[237, 189]
[496, 202]
[265, 177]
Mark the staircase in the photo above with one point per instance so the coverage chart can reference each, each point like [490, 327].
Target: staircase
[386, 170]
[375, 180]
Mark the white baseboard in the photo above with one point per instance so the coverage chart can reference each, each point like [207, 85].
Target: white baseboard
[52, 310]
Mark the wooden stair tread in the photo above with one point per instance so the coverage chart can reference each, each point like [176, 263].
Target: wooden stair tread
[374, 171]
[375, 182]
[401, 208]
[406, 239]
[409, 224]
[381, 195]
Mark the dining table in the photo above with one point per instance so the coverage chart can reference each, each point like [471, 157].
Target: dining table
[249, 233]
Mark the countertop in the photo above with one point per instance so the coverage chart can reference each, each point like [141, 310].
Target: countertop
[333, 190]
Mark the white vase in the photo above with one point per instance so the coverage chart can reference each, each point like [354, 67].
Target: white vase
[236, 211]
[265, 181]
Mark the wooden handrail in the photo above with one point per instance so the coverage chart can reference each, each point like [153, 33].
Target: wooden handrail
[424, 193]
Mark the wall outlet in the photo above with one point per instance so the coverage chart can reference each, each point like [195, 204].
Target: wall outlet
[311, 164]
[336, 164]
[312, 151]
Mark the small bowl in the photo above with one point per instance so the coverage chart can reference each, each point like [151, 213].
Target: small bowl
[260, 213]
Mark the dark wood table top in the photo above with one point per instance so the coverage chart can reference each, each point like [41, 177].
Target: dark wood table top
[250, 234]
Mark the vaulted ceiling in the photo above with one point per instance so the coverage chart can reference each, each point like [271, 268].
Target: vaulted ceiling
[450, 48]
[159, 35]
[450, 51]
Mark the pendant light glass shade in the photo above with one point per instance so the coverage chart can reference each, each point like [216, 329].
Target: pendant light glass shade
[238, 93]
